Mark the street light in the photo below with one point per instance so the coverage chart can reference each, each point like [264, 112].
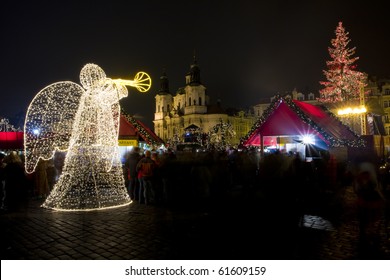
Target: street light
[352, 110]
[360, 110]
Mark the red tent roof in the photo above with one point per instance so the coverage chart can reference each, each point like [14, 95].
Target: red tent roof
[330, 124]
[293, 117]
[125, 128]
[129, 126]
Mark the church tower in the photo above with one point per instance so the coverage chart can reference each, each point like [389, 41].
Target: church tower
[164, 99]
[164, 102]
[196, 100]
[188, 107]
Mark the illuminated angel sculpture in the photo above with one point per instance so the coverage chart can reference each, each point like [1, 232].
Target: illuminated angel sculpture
[84, 122]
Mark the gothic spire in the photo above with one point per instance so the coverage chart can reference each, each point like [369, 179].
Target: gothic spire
[164, 83]
[194, 73]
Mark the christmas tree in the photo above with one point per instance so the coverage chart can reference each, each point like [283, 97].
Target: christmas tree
[343, 81]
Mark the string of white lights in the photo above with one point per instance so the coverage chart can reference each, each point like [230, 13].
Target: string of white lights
[84, 121]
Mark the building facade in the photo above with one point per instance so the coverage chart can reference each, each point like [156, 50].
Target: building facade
[379, 90]
[310, 97]
[190, 108]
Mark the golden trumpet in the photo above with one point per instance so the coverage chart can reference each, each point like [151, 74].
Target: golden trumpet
[142, 82]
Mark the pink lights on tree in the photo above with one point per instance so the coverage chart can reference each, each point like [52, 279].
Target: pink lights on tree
[343, 81]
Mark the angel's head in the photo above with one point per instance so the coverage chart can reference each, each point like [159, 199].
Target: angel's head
[92, 76]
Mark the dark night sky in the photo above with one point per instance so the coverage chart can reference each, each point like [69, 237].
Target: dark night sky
[246, 50]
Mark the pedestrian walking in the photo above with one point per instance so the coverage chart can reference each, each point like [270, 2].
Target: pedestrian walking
[146, 167]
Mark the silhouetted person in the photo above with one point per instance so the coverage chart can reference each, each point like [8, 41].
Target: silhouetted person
[52, 173]
[41, 183]
[167, 170]
[15, 182]
[370, 203]
[157, 179]
[146, 168]
[131, 164]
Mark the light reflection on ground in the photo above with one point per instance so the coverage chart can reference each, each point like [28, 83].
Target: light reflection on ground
[316, 222]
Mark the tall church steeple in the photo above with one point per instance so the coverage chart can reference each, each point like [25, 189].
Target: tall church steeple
[164, 99]
[193, 76]
[164, 83]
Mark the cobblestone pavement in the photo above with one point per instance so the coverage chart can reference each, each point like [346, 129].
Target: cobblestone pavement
[233, 228]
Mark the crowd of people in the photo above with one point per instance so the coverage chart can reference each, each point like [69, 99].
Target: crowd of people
[286, 181]
[17, 187]
[143, 174]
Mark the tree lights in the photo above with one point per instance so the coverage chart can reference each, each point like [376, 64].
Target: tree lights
[220, 136]
[84, 121]
[343, 81]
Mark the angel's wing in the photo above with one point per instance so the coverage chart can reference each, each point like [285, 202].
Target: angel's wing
[49, 121]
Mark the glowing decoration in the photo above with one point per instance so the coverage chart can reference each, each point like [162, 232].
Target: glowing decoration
[175, 140]
[11, 138]
[141, 82]
[84, 121]
[352, 110]
[220, 136]
[308, 139]
[343, 81]
[5, 126]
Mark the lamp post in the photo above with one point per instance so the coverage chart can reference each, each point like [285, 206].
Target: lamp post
[363, 119]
